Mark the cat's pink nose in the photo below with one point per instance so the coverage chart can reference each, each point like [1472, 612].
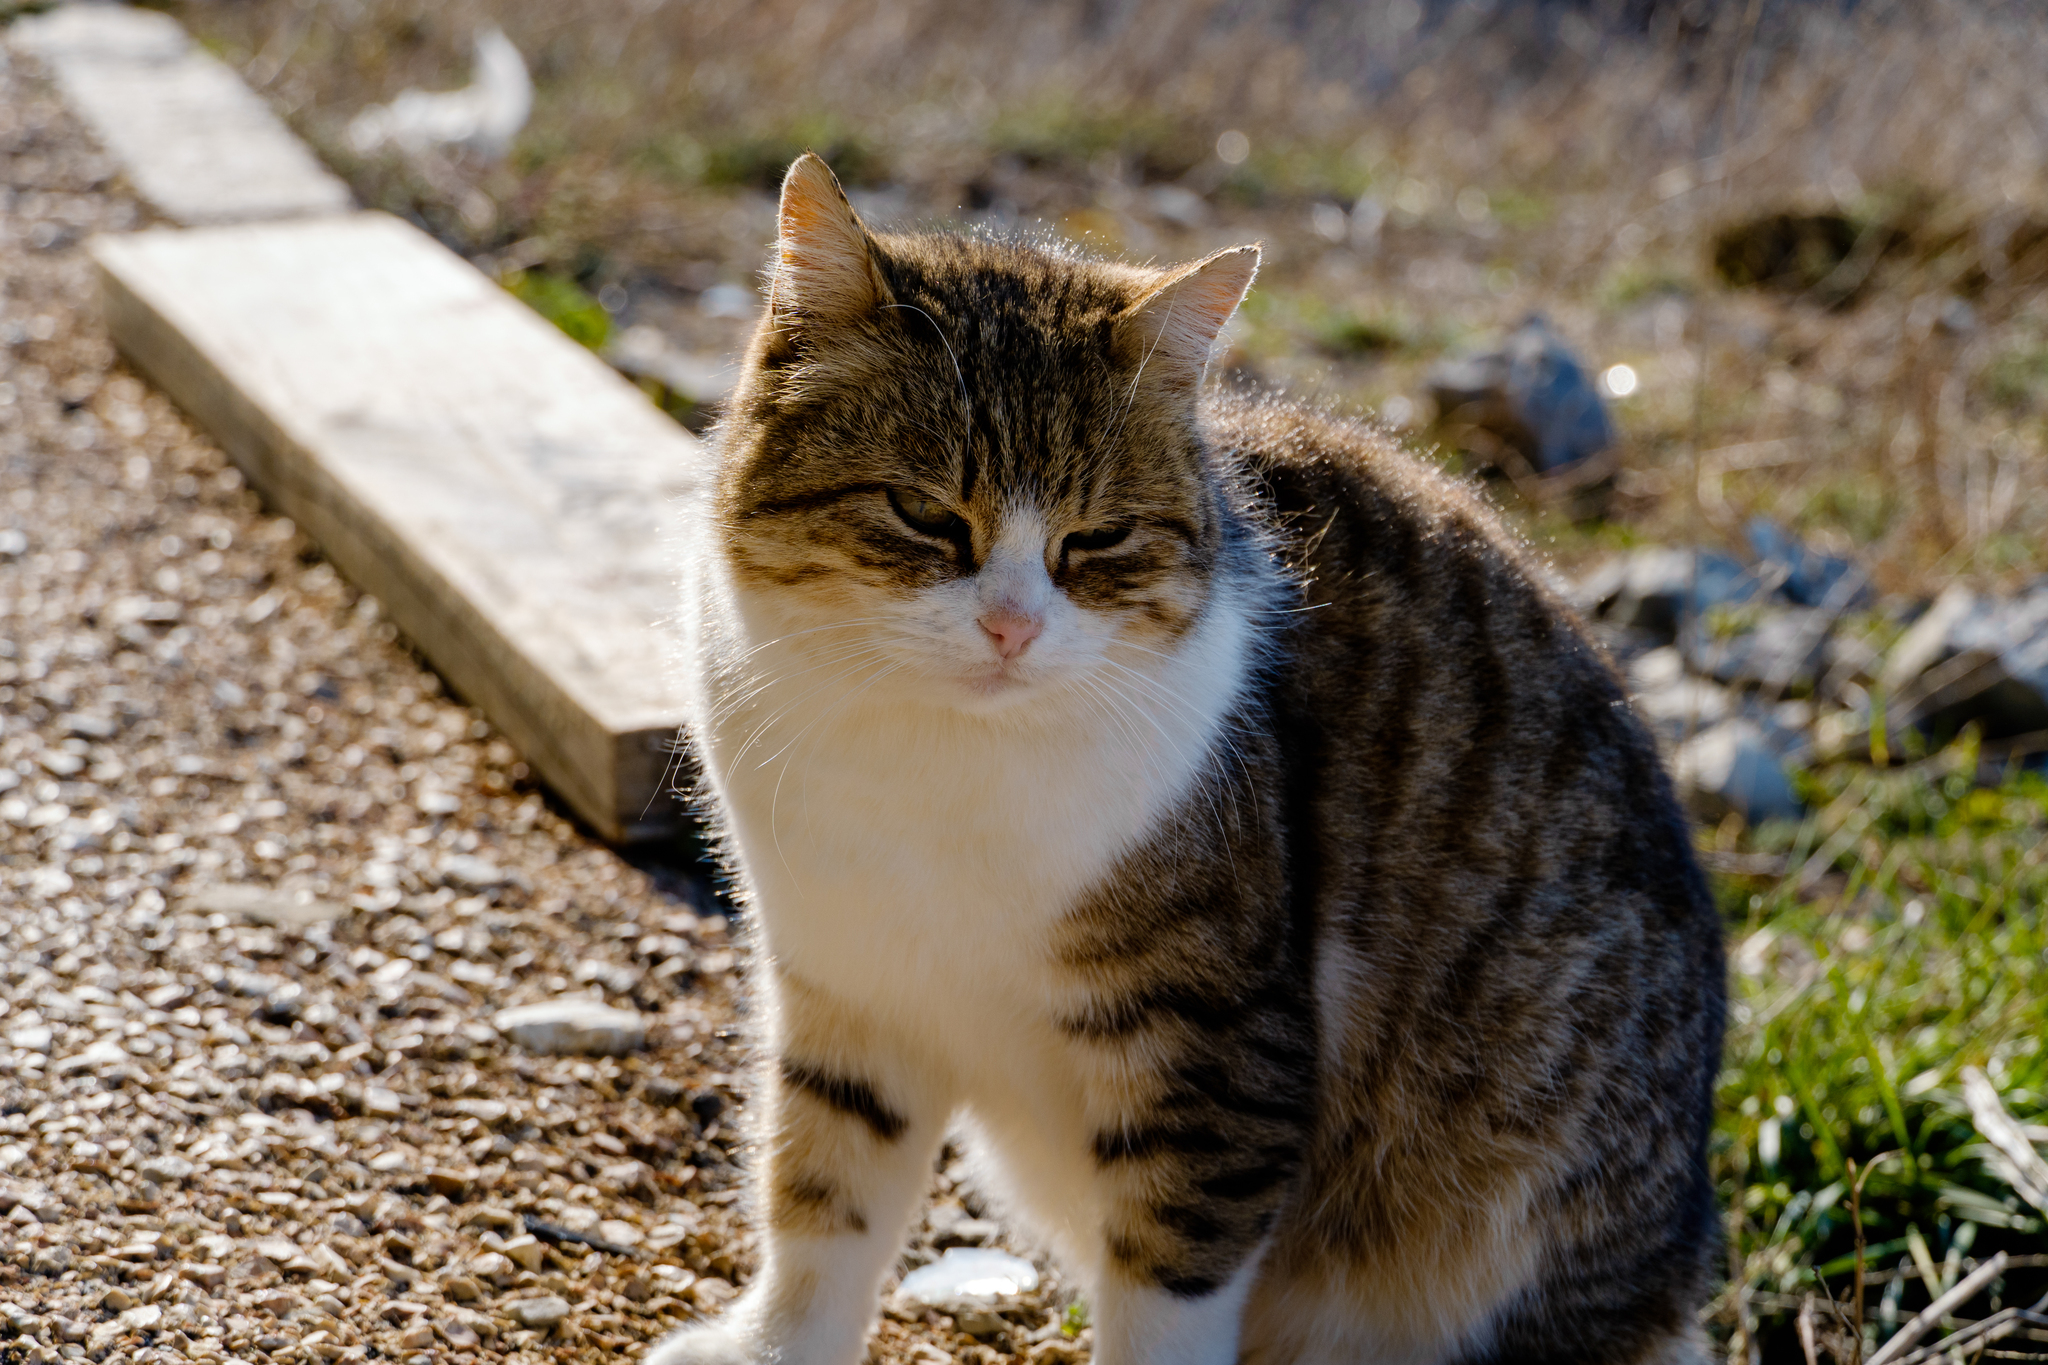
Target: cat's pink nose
[1010, 632]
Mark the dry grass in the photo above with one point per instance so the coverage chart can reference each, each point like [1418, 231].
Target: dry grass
[1594, 164]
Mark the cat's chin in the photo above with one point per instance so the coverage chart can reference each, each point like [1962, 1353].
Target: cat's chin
[998, 690]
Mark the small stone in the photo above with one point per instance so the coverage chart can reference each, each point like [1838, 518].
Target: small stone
[380, 1103]
[573, 1024]
[1805, 576]
[142, 1319]
[454, 1184]
[979, 1322]
[32, 1038]
[712, 1292]
[272, 1341]
[490, 1215]
[462, 1288]
[1732, 767]
[102, 1055]
[167, 1169]
[968, 1275]
[1530, 394]
[460, 1335]
[279, 907]
[541, 1313]
[620, 1233]
[526, 1249]
[50, 1260]
[483, 1111]
[496, 1268]
[205, 1274]
[421, 1337]
[117, 1299]
[1659, 591]
[467, 872]
[1786, 648]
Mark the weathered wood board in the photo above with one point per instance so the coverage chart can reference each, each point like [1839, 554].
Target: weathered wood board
[503, 492]
[196, 142]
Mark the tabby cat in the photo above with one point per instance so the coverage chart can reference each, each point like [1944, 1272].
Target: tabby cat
[1202, 803]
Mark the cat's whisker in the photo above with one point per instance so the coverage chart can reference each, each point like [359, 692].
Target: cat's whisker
[853, 666]
[764, 682]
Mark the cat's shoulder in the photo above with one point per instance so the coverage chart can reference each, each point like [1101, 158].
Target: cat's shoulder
[1333, 478]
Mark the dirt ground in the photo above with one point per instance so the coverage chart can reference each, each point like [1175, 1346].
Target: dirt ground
[263, 886]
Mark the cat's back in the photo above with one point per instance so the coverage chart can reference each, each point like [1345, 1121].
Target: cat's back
[1486, 837]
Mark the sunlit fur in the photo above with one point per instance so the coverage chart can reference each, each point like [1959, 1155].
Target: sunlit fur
[1300, 925]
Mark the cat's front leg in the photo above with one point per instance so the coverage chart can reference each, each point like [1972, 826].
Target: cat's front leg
[1141, 1322]
[849, 1127]
[1197, 1136]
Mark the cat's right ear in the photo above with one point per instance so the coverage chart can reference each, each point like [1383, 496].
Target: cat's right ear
[824, 263]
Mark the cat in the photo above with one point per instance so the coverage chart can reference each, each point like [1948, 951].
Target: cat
[1202, 801]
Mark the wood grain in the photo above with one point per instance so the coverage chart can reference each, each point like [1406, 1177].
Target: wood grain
[196, 142]
[500, 490]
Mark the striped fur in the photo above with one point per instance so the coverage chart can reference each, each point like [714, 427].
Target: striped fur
[1301, 924]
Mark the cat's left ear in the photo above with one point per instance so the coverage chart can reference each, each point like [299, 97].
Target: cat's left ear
[1170, 332]
[824, 263]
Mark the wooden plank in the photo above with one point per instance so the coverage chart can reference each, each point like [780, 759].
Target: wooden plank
[196, 142]
[500, 489]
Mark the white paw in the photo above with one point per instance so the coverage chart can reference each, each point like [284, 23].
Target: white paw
[712, 1343]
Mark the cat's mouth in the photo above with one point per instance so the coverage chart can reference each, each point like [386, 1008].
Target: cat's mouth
[998, 680]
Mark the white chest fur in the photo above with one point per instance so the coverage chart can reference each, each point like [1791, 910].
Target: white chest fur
[895, 848]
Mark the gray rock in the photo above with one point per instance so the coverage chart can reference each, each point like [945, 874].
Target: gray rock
[1786, 648]
[1656, 590]
[1531, 393]
[573, 1024]
[541, 1313]
[1803, 575]
[1734, 767]
[1973, 658]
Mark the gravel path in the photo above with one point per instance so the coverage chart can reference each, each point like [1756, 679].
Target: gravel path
[263, 886]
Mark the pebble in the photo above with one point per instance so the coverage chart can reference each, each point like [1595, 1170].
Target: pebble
[526, 1249]
[541, 1313]
[573, 1024]
[381, 1103]
[973, 1275]
[1530, 392]
[167, 1170]
[1733, 767]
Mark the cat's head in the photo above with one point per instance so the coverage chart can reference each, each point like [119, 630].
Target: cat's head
[973, 465]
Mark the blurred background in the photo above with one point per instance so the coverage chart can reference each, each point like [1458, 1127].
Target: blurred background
[1789, 261]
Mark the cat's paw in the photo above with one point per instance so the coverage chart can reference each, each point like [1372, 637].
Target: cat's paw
[713, 1343]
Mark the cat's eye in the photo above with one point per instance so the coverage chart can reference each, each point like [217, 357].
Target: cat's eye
[925, 514]
[1101, 538]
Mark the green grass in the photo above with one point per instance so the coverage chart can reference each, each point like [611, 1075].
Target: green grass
[565, 303]
[1904, 942]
